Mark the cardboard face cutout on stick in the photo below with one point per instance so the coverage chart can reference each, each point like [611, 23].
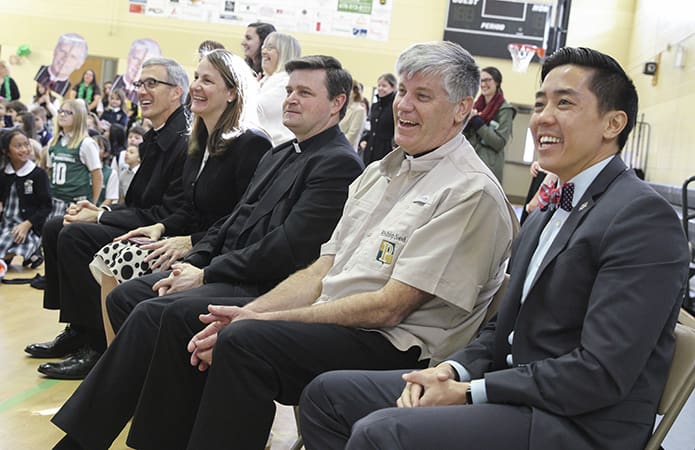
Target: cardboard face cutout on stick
[140, 51]
[69, 54]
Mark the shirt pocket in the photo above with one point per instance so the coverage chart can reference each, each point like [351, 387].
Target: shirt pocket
[385, 242]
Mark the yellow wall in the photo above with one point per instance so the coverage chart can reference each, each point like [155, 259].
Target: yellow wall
[633, 31]
[668, 105]
[109, 30]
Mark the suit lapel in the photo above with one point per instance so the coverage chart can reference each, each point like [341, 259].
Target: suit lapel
[276, 158]
[283, 177]
[526, 244]
[614, 169]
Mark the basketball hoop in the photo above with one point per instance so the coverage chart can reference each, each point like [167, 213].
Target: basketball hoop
[522, 54]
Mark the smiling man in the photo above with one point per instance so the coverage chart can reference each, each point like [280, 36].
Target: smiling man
[154, 193]
[408, 272]
[578, 354]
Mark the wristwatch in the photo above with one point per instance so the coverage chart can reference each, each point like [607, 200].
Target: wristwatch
[469, 397]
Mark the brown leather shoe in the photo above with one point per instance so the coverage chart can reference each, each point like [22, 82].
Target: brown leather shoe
[65, 343]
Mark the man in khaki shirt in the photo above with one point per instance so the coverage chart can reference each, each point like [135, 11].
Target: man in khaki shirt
[410, 269]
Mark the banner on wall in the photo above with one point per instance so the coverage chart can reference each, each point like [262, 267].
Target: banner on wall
[69, 54]
[367, 19]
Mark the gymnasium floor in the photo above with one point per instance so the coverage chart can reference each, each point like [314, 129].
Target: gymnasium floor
[27, 400]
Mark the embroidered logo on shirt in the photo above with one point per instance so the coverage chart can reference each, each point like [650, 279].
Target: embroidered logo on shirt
[386, 251]
[28, 187]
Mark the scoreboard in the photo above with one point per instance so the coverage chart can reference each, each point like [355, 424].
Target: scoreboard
[485, 27]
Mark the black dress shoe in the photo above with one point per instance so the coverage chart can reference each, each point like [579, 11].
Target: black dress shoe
[74, 367]
[39, 282]
[66, 342]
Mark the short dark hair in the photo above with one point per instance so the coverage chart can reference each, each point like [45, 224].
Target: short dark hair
[103, 141]
[117, 137]
[610, 84]
[137, 129]
[338, 80]
[28, 124]
[16, 106]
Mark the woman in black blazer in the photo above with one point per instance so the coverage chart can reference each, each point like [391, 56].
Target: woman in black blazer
[223, 155]
[25, 199]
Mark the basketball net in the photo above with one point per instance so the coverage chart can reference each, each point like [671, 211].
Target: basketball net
[522, 54]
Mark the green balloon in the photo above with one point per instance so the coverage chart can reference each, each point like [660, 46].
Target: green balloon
[23, 50]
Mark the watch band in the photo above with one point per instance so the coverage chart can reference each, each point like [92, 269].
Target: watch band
[469, 396]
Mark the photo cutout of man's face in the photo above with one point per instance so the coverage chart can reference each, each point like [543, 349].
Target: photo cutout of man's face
[68, 56]
[140, 51]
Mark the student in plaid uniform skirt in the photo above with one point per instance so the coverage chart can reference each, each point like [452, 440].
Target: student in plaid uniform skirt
[25, 197]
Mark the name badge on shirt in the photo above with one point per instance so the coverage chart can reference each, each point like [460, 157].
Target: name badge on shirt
[28, 187]
[386, 251]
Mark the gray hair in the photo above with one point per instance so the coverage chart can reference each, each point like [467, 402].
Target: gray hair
[287, 46]
[150, 46]
[74, 40]
[175, 73]
[459, 71]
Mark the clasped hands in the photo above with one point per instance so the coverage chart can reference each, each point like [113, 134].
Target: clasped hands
[82, 211]
[435, 386]
[201, 345]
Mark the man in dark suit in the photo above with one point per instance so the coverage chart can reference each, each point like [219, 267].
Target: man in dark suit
[155, 192]
[291, 206]
[579, 352]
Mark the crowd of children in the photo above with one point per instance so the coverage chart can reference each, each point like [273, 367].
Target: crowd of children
[57, 151]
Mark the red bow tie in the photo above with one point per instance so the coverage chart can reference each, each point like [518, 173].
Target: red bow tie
[553, 197]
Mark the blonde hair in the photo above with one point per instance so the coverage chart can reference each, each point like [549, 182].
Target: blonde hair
[79, 123]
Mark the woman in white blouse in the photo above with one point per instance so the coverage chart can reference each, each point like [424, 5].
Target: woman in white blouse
[278, 49]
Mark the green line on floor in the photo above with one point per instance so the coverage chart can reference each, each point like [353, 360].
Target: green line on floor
[27, 394]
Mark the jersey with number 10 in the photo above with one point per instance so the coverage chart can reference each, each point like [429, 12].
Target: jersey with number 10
[70, 178]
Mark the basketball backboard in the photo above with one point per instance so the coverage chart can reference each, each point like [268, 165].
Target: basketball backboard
[486, 27]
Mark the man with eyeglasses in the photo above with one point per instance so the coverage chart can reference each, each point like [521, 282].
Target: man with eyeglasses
[155, 192]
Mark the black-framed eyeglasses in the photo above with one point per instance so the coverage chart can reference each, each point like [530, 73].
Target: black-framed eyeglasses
[150, 83]
[66, 112]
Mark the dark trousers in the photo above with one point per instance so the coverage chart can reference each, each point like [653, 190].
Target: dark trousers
[255, 362]
[70, 287]
[104, 402]
[356, 410]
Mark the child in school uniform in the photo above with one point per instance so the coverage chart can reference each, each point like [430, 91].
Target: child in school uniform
[25, 201]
